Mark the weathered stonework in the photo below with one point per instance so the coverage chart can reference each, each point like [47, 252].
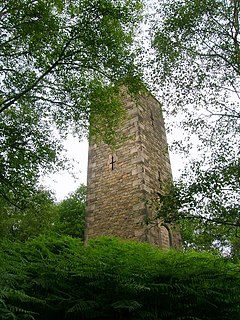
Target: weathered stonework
[121, 183]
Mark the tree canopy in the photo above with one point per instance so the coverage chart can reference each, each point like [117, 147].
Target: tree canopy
[60, 66]
[38, 216]
[71, 214]
[198, 66]
[43, 216]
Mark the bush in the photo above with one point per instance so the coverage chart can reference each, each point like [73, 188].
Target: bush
[60, 278]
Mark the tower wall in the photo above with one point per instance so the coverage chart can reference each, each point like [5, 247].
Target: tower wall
[123, 181]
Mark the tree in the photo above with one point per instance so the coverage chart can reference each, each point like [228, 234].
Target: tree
[61, 65]
[38, 216]
[207, 221]
[198, 67]
[71, 214]
[43, 216]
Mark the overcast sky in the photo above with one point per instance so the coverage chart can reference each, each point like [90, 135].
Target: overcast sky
[64, 182]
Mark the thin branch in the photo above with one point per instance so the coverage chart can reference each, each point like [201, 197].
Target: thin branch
[217, 54]
[51, 101]
[10, 101]
[75, 65]
[192, 217]
[223, 115]
[3, 44]
[235, 90]
[17, 54]
[8, 70]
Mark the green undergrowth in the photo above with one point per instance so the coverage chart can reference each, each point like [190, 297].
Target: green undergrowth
[58, 277]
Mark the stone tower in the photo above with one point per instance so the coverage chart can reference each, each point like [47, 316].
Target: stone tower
[121, 183]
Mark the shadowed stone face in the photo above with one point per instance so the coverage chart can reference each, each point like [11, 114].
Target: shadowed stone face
[120, 184]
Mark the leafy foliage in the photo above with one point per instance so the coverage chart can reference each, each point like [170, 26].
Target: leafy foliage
[207, 208]
[198, 67]
[36, 215]
[56, 57]
[42, 216]
[71, 214]
[115, 279]
[13, 299]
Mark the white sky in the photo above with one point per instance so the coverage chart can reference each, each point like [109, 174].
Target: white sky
[63, 183]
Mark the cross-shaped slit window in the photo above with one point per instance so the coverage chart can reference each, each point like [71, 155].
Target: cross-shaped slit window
[113, 162]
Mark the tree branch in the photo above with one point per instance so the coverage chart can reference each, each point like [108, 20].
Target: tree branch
[217, 54]
[10, 101]
[51, 101]
[192, 217]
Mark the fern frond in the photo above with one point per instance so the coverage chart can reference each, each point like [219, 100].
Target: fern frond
[82, 306]
[126, 304]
